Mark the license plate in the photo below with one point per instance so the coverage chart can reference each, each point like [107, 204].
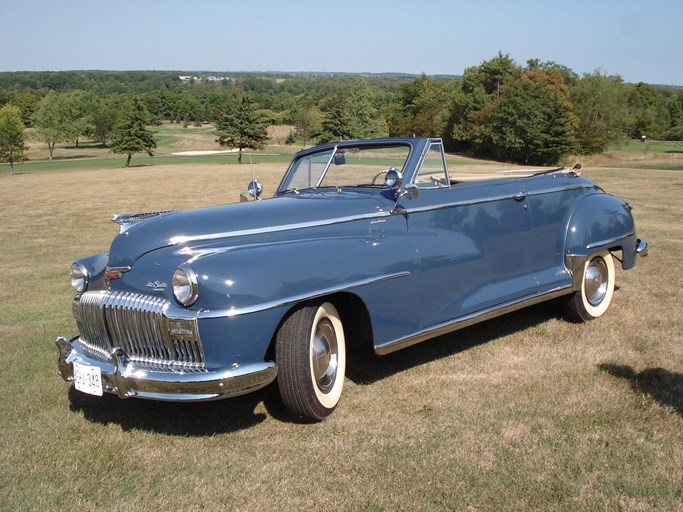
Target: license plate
[88, 379]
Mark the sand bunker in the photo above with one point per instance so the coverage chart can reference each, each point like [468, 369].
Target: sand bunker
[198, 153]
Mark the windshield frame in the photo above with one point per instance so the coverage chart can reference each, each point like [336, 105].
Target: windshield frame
[336, 149]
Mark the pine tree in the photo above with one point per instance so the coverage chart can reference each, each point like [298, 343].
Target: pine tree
[131, 135]
[241, 127]
[337, 121]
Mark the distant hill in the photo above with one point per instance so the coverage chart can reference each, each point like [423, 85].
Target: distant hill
[145, 81]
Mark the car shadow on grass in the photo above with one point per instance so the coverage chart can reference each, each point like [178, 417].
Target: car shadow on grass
[172, 418]
[364, 367]
[234, 414]
[663, 386]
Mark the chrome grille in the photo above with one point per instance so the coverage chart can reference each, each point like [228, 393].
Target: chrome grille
[138, 325]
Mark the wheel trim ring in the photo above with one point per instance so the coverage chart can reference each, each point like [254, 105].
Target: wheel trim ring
[325, 355]
[596, 281]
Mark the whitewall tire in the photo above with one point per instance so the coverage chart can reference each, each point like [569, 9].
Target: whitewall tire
[597, 289]
[311, 358]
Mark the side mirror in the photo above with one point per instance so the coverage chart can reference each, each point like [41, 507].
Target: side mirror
[339, 158]
[412, 191]
[255, 189]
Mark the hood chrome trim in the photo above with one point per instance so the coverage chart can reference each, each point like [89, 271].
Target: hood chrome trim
[179, 240]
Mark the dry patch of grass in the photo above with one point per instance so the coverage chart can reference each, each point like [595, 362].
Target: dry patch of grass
[522, 412]
[278, 133]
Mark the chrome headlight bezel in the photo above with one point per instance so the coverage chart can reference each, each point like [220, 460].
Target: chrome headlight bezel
[80, 278]
[185, 285]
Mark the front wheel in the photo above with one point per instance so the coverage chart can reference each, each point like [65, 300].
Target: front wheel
[597, 289]
[310, 352]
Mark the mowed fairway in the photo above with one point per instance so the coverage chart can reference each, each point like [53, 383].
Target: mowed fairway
[523, 412]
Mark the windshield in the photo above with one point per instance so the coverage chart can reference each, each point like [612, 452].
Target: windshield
[359, 166]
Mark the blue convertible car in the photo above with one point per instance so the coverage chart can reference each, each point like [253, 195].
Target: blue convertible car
[370, 241]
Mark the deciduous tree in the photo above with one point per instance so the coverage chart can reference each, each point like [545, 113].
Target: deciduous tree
[521, 115]
[531, 124]
[420, 110]
[306, 120]
[648, 112]
[49, 122]
[12, 146]
[104, 115]
[600, 105]
[63, 117]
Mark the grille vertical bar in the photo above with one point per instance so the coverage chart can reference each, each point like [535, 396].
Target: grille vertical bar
[137, 324]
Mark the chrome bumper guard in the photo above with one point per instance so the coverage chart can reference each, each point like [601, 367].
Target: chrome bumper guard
[126, 379]
[641, 247]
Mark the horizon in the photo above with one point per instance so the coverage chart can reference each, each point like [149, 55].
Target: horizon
[288, 72]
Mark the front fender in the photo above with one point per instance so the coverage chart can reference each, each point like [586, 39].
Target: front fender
[256, 278]
[96, 266]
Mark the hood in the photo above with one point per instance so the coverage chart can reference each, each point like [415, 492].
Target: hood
[232, 224]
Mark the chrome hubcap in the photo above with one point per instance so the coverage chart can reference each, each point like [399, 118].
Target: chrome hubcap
[324, 355]
[596, 281]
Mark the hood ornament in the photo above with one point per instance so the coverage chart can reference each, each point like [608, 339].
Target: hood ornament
[126, 220]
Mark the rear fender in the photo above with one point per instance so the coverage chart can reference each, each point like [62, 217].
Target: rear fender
[599, 222]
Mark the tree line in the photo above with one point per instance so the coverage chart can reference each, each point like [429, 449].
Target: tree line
[535, 113]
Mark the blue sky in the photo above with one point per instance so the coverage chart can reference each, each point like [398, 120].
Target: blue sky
[640, 41]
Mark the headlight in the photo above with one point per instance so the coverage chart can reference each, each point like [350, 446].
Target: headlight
[79, 277]
[185, 289]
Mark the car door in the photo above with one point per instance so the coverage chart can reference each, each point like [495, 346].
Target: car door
[551, 199]
[473, 242]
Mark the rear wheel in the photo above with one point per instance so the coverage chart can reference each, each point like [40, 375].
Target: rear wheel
[597, 289]
[311, 356]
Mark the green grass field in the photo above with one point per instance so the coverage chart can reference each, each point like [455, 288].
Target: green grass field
[653, 146]
[171, 140]
[525, 412]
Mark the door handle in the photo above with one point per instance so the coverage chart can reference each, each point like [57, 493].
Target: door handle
[521, 196]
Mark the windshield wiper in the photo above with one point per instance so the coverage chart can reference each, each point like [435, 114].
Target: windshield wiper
[314, 190]
[288, 191]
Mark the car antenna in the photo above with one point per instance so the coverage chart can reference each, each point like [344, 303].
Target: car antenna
[251, 168]
[256, 183]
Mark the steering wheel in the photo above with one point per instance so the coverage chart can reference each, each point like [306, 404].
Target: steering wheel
[377, 176]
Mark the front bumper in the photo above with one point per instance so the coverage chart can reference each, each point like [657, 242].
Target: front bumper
[125, 379]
